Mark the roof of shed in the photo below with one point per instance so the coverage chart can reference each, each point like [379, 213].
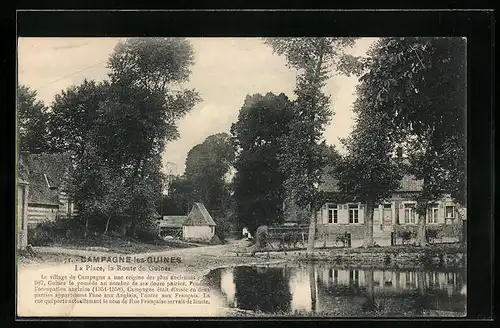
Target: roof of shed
[172, 221]
[199, 216]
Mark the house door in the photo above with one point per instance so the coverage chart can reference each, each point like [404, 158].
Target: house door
[387, 217]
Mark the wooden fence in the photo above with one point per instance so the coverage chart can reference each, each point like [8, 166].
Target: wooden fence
[296, 238]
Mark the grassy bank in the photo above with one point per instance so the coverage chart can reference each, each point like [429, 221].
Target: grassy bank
[407, 256]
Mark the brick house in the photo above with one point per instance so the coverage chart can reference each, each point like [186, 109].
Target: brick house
[397, 211]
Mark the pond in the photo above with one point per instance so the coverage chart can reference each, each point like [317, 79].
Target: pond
[326, 290]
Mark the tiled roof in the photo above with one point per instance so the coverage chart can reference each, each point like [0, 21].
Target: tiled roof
[408, 184]
[40, 193]
[54, 166]
[45, 170]
[199, 216]
[329, 184]
[173, 221]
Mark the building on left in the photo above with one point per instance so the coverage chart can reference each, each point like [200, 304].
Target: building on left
[42, 188]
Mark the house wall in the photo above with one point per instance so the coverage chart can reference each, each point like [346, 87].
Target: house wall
[67, 209]
[398, 203]
[38, 213]
[443, 218]
[343, 225]
[204, 233]
[356, 230]
[22, 216]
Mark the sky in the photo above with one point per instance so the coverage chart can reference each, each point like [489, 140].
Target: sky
[225, 71]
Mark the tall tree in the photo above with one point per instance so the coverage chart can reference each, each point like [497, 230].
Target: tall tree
[369, 172]
[32, 117]
[152, 63]
[207, 166]
[124, 123]
[146, 75]
[75, 116]
[303, 157]
[180, 197]
[258, 183]
[99, 192]
[420, 84]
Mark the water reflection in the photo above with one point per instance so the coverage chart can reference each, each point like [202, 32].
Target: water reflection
[328, 290]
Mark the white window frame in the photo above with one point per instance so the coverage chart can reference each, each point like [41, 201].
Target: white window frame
[411, 213]
[433, 214]
[355, 218]
[452, 212]
[334, 211]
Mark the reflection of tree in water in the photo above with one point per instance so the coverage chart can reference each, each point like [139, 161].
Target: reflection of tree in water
[422, 299]
[369, 305]
[263, 290]
[312, 287]
[213, 278]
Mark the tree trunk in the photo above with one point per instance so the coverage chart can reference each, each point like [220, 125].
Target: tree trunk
[86, 227]
[368, 242]
[420, 240]
[107, 225]
[312, 225]
[312, 232]
[396, 211]
[370, 291]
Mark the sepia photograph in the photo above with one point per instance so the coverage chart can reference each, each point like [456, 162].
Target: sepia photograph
[241, 177]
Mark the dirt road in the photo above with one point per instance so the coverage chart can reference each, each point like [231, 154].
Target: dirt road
[196, 260]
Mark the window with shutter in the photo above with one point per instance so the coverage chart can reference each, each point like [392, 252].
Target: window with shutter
[432, 214]
[409, 213]
[449, 212]
[333, 213]
[353, 213]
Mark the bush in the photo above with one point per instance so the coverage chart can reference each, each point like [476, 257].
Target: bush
[215, 240]
[222, 228]
[146, 230]
[48, 232]
[262, 237]
[405, 235]
[452, 230]
[431, 234]
[40, 234]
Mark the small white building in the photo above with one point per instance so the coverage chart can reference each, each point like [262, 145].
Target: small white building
[199, 225]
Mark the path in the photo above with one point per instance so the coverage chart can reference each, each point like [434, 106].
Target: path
[212, 250]
[197, 260]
